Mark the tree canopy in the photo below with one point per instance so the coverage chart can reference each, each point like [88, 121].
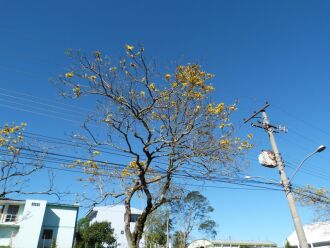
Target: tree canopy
[193, 213]
[317, 198]
[19, 161]
[165, 122]
[94, 235]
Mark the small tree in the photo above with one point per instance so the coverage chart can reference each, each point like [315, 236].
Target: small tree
[94, 235]
[156, 228]
[179, 240]
[148, 116]
[193, 213]
[287, 244]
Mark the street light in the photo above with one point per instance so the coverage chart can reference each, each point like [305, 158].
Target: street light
[263, 178]
[319, 149]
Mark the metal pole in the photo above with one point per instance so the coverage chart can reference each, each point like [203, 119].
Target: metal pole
[286, 185]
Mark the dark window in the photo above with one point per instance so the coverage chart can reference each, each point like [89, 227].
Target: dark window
[92, 215]
[134, 217]
[122, 232]
[47, 234]
[2, 207]
[12, 213]
[325, 243]
[35, 204]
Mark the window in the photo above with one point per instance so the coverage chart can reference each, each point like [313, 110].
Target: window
[12, 213]
[47, 234]
[122, 232]
[35, 204]
[2, 207]
[134, 217]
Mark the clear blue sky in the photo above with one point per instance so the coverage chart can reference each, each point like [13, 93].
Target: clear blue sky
[259, 50]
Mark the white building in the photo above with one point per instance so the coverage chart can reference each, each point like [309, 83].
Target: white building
[203, 243]
[36, 224]
[115, 215]
[317, 235]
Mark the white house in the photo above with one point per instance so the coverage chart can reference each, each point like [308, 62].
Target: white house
[36, 224]
[317, 235]
[115, 215]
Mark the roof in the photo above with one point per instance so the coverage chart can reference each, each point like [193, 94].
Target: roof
[8, 200]
[204, 242]
[244, 242]
[5, 200]
[117, 208]
[111, 209]
[63, 205]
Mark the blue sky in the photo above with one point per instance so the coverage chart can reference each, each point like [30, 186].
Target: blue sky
[259, 50]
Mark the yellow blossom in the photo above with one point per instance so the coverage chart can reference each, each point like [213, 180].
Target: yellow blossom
[209, 88]
[96, 153]
[129, 47]
[174, 85]
[76, 90]
[167, 76]
[154, 115]
[69, 74]
[215, 110]
[224, 143]
[92, 78]
[142, 93]
[250, 136]
[125, 172]
[152, 86]
[108, 118]
[197, 108]
[232, 108]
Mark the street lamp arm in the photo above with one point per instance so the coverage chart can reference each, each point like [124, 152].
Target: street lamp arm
[300, 165]
[263, 178]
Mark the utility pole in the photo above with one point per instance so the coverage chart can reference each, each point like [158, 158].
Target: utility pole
[270, 129]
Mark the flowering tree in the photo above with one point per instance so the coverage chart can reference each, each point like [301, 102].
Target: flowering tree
[18, 162]
[165, 122]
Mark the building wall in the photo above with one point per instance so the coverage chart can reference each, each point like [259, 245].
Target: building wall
[115, 215]
[34, 217]
[6, 234]
[62, 220]
[317, 234]
[30, 225]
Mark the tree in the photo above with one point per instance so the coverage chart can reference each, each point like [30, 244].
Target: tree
[156, 228]
[165, 122]
[94, 235]
[193, 213]
[318, 198]
[82, 233]
[287, 244]
[179, 240]
[18, 162]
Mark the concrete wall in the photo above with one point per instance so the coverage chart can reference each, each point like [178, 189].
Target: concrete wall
[60, 219]
[35, 217]
[30, 225]
[6, 234]
[115, 215]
